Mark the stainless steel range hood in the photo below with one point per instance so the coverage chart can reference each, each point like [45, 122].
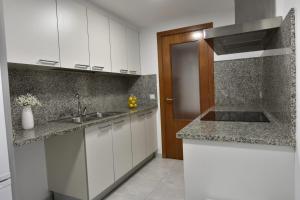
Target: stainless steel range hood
[255, 24]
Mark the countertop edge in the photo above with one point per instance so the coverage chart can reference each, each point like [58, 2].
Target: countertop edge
[20, 142]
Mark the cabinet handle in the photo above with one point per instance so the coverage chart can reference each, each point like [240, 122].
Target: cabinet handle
[132, 72]
[97, 68]
[141, 115]
[149, 113]
[101, 128]
[124, 71]
[48, 62]
[119, 122]
[80, 66]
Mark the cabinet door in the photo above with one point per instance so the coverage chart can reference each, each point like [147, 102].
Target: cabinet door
[150, 124]
[73, 35]
[118, 47]
[31, 32]
[138, 133]
[133, 51]
[98, 28]
[122, 147]
[99, 156]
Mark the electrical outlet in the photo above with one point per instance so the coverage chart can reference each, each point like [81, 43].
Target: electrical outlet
[152, 96]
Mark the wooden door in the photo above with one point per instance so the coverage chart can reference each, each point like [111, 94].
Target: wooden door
[186, 82]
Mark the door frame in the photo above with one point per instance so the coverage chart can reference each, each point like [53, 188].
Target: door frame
[209, 100]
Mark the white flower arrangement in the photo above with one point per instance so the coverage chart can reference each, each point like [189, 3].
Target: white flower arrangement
[28, 100]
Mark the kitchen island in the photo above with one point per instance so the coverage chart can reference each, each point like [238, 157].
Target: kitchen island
[223, 159]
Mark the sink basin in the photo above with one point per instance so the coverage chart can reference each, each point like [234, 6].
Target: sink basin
[91, 117]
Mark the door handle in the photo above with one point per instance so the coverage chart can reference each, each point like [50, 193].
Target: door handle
[170, 99]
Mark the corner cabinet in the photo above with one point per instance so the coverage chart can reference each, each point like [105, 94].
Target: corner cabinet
[31, 32]
[118, 47]
[98, 29]
[73, 34]
[133, 51]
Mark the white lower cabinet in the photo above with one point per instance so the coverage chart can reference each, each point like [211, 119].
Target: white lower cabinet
[86, 163]
[151, 134]
[122, 147]
[99, 158]
[139, 142]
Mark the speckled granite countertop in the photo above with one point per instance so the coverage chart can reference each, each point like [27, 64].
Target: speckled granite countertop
[39, 133]
[272, 133]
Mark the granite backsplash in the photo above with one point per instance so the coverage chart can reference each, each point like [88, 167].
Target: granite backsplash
[268, 81]
[238, 82]
[279, 74]
[56, 90]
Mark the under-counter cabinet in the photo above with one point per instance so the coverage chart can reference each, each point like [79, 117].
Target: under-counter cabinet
[98, 29]
[31, 32]
[151, 134]
[88, 164]
[118, 47]
[99, 158]
[139, 140]
[122, 146]
[73, 34]
[133, 51]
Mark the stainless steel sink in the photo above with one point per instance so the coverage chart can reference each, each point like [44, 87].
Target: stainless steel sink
[90, 117]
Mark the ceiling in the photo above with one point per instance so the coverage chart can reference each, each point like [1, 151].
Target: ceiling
[147, 13]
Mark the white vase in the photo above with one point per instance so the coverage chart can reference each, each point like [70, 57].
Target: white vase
[27, 118]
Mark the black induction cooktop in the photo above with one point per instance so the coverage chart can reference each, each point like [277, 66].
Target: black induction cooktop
[235, 116]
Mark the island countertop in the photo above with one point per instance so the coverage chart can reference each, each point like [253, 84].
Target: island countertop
[273, 133]
[42, 132]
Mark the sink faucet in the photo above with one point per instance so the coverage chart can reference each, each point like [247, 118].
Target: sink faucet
[79, 111]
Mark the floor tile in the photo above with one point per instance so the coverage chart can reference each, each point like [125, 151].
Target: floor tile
[161, 179]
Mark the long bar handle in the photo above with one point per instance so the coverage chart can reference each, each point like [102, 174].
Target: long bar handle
[98, 68]
[48, 62]
[80, 66]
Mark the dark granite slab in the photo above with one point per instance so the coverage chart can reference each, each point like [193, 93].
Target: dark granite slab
[42, 132]
[273, 133]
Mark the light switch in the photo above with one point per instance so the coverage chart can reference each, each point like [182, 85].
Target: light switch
[152, 96]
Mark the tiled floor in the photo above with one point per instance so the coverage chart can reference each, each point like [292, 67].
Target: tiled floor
[161, 179]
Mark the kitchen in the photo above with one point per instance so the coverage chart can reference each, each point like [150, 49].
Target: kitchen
[83, 61]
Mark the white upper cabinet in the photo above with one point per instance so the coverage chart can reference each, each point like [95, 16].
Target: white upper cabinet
[31, 32]
[133, 51]
[118, 47]
[98, 29]
[73, 34]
